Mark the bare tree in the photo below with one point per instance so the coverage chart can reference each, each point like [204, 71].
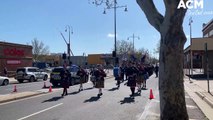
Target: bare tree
[157, 49]
[39, 49]
[124, 47]
[171, 88]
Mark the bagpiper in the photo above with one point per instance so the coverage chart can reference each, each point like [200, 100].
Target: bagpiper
[99, 78]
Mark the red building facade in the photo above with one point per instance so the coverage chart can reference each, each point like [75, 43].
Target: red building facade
[13, 56]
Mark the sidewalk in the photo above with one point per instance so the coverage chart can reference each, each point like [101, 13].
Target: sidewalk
[197, 90]
[199, 102]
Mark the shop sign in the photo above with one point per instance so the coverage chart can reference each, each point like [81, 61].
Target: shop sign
[13, 52]
[13, 62]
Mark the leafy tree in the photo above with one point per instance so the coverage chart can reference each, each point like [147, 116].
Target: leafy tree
[39, 50]
[171, 87]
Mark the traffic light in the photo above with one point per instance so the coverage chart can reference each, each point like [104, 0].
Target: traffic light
[64, 56]
[113, 54]
[117, 60]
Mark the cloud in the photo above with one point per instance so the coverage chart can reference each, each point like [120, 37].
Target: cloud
[110, 35]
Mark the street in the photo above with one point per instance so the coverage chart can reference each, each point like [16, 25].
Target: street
[85, 105]
[21, 87]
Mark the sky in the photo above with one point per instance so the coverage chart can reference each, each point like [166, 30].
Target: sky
[21, 21]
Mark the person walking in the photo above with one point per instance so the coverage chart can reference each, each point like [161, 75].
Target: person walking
[99, 76]
[5, 71]
[81, 73]
[65, 77]
[117, 75]
[140, 78]
[156, 70]
[131, 73]
[92, 76]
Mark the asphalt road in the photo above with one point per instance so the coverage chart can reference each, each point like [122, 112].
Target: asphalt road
[113, 105]
[21, 87]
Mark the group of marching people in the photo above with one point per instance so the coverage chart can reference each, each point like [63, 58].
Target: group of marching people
[136, 75]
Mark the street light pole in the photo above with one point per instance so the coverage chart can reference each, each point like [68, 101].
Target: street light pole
[133, 38]
[115, 32]
[68, 44]
[112, 5]
[190, 24]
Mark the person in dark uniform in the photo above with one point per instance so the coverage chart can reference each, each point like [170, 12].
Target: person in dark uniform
[65, 77]
[156, 70]
[5, 71]
[99, 76]
[131, 72]
[81, 73]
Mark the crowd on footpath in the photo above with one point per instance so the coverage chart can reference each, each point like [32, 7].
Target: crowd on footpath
[135, 73]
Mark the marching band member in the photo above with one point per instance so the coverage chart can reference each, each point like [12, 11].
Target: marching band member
[99, 76]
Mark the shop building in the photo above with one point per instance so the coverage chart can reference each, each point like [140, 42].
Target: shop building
[198, 50]
[14, 55]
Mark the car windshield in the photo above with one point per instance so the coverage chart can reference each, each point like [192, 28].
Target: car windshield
[57, 69]
[20, 70]
[73, 69]
[32, 70]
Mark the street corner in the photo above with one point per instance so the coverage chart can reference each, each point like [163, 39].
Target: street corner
[17, 96]
[207, 97]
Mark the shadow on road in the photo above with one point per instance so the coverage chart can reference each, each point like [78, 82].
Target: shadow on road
[127, 100]
[73, 93]
[144, 89]
[53, 99]
[113, 89]
[92, 99]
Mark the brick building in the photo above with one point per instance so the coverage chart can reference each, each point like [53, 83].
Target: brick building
[14, 55]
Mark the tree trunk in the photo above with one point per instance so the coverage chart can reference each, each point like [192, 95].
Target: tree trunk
[171, 87]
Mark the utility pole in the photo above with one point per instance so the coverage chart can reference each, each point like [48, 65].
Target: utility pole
[133, 38]
[191, 56]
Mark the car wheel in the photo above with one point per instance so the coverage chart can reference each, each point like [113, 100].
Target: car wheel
[6, 82]
[32, 79]
[45, 77]
[20, 81]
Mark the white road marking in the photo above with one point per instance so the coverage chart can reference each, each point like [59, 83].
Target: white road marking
[40, 112]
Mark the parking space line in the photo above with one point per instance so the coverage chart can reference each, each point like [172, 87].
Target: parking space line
[40, 112]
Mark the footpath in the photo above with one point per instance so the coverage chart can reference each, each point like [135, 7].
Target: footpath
[199, 102]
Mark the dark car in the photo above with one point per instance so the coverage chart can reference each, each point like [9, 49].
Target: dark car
[55, 78]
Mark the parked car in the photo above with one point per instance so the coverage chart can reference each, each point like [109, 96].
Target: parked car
[4, 80]
[55, 78]
[73, 70]
[30, 73]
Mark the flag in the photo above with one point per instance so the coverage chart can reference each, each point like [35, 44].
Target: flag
[143, 58]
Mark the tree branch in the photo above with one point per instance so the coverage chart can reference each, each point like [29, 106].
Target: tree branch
[152, 14]
[173, 13]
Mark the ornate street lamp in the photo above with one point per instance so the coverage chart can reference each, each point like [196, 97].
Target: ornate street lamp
[111, 4]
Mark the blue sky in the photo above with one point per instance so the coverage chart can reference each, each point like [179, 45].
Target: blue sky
[23, 20]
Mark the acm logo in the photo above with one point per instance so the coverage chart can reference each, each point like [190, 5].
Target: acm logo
[190, 4]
